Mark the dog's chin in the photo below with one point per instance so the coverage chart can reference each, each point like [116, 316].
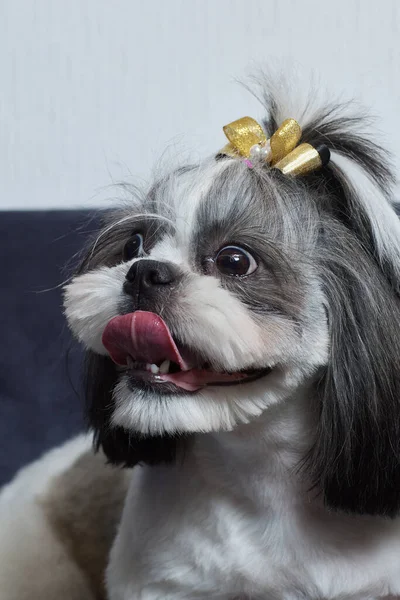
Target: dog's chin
[143, 404]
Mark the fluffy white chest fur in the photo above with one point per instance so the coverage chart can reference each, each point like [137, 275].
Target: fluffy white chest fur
[235, 521]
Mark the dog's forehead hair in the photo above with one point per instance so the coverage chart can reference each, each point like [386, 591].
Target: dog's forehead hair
[229, 199]
[179, 195]
[208, 192]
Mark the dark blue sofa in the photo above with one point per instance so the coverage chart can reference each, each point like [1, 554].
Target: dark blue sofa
[40, 394]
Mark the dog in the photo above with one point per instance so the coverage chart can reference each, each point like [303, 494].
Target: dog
[241, 322]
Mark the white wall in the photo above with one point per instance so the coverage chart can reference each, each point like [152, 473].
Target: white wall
[93, 91]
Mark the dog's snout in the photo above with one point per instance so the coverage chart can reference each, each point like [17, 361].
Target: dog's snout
[145, 274]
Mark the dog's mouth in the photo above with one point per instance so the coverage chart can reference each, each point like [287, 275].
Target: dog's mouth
[142, 342]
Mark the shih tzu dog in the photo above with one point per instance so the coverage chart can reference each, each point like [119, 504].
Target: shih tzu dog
[242, 327]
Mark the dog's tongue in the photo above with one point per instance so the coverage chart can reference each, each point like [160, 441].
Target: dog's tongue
[142, 335]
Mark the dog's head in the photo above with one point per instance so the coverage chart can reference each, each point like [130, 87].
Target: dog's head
[226, 289]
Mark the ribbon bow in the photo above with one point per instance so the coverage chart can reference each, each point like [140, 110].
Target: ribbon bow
[247, 140]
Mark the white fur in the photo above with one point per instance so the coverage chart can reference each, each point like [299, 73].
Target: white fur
[34, 563]
[90, 302]
[236, 521]
[222, 410]
[385, 222]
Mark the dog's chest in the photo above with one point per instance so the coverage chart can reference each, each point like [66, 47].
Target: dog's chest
[208, 541]
[191, 532]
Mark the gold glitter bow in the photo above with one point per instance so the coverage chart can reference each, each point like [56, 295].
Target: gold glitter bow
[248, 141]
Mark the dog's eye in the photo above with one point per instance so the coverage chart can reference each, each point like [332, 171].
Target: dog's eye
[235, 261]
[133, 247]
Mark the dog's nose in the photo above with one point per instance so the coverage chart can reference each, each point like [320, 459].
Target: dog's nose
[149, 274]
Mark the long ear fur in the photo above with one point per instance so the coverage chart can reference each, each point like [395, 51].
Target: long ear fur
[355, 459]
[356, 456]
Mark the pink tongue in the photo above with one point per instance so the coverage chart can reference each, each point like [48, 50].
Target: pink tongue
[142, 335]
[146, 338]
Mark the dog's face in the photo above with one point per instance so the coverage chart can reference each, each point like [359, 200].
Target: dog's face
[225, 290]
[206, 297]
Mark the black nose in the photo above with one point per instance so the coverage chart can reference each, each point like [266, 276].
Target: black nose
[148, 274]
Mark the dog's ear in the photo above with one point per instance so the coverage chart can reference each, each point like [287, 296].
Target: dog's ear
[356, 457]
[121, 447]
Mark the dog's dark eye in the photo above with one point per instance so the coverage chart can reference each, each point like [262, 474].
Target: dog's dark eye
[235, 261]
[133, 247]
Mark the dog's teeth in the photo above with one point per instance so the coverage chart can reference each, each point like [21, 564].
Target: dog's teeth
[154, 369]
[164, 367]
